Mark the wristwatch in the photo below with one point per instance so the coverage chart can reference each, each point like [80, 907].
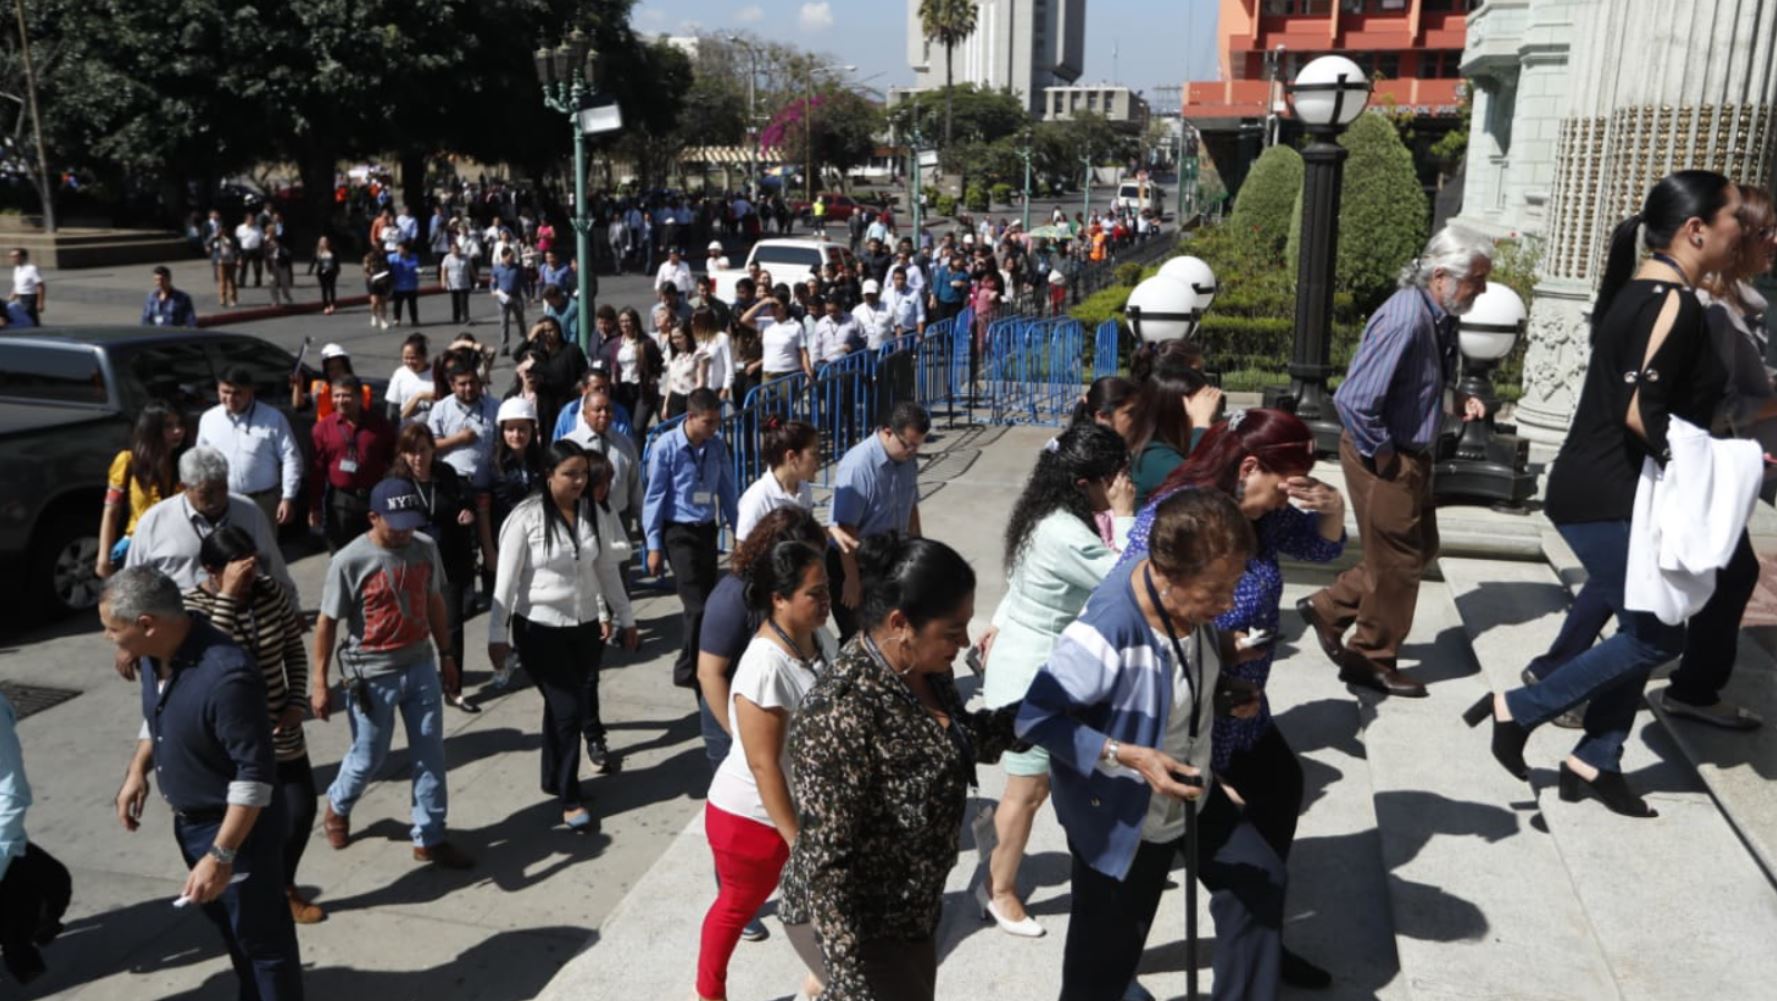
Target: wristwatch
[223, 855]
[1108, 756]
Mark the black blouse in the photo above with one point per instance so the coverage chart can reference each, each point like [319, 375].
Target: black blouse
[1595, 475]
[880, 787]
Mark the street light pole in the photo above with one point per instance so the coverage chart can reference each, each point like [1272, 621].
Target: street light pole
[1086, 189]
[752, 111]
[566, 74]
[1026, 152]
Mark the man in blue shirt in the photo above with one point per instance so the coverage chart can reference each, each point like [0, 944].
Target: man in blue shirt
[876, 490]
[554, 272]
[404, 267]
[690, 488]
[166, 305]
[950, 286]
[207, 736]
[596, 379]
[1392, 407]
[508, 288]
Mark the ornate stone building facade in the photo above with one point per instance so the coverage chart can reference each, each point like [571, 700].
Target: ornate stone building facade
[1655, 86]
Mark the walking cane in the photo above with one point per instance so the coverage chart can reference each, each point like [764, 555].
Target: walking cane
[1191, 898]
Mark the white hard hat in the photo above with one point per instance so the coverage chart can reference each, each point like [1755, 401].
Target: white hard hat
[1057, 278]
[517, 409]
[716, 245]
[872, 286]
[333, 351]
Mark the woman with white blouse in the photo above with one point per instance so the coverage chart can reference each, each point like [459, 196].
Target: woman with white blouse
[684, 368]
[781, 338]
[557, 590]
[715, 356]
[749, 817]
[791, 451]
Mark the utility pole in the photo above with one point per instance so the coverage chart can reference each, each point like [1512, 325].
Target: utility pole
[1026, 152]
[752, 112]
[44, 189]
[1086, 189]
[916, 140]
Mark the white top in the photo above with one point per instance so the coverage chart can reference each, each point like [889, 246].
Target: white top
[249, 236]
[679, 275]
[765, 496]
[26, 279]
[681, 373]
[1165, 819]
[561, 584]
[721, 358]
[628, 369]
[781, 344]
[402, 387]
[770, 679]
[261, 451]
[877, 321]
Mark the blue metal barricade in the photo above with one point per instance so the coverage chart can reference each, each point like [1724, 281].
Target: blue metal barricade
[1106, 350]
[843, 394]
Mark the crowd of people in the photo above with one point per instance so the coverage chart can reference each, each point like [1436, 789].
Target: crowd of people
[1127, 667]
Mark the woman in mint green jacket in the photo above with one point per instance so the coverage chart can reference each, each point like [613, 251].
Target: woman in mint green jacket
[1054, 559]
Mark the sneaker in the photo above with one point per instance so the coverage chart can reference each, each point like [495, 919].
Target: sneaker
[755, 931]
[604, 760]
[443, 853]
[1721, 713]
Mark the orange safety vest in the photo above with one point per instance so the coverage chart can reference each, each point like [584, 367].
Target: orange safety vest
[322, 393]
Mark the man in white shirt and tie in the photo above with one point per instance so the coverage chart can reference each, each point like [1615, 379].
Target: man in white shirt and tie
[593, 432]
[264, 460]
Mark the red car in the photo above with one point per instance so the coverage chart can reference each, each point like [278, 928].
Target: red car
[839, 207]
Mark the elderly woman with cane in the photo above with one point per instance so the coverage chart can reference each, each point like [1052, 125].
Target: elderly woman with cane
[1125, 708]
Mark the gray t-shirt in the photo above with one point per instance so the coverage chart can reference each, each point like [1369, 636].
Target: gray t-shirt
[383, 597]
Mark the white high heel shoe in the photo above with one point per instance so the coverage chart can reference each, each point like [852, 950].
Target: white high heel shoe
[1027, 927]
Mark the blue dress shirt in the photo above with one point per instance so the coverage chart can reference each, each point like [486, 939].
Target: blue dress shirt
[173, 311]
[687, 485]
[874, 492]
[1393, 393]
[15, 791]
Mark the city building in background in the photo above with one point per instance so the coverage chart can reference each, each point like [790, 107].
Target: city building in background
[1413, 48]
[1122, 107]
[1021, 45]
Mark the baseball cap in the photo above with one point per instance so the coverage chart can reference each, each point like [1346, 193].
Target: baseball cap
[516, 409]
[872, 286]
[333, 351]
[398, 504]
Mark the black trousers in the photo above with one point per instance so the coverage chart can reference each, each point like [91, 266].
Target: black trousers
[846, 619]
[254, 257]
[253, 915]
[1268, 776]
[691, 551]
[33, 897]
[412, 298]
[329, 284]
[347, 517]
[1109, 923]
[459, 305]
[456, 593]
[296, 787]
[560, 658]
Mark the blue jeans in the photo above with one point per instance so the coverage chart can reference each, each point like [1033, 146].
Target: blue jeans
[1612, 674]
[716, 741]
[415, 692]
[252, 915]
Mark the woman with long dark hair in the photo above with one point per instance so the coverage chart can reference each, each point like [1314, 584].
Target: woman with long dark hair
[450, 507]
[634, 359]
[1054, 558]
[559, 602]
[1110, 401]
[1651, 362]
[1166, 425]
[141, 476]
[749, 816]
[259, 615]
[1261, 459]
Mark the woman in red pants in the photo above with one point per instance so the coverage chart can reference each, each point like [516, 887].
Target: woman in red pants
[749, 818]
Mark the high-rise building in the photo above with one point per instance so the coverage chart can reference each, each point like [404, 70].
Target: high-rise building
[1414, 47]
[1021, 45]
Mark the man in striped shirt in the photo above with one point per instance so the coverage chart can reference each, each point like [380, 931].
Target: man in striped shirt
[1392, 406]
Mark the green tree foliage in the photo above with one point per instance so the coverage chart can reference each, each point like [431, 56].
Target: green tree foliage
[1061, 147]
[1266, 203]
[1383, 213]
[947, 22]
[843, 130]
[978, 115]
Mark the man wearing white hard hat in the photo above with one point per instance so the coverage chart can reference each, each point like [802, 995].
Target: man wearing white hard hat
[873, 316]
[715, 260]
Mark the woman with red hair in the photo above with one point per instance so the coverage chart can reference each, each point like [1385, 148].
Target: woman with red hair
[1262, 459]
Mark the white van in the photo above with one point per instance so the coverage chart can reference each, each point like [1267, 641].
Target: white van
[1138, 196]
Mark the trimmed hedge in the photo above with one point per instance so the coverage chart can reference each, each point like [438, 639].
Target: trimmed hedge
[1002, 194]
[1266, 203]
[976, 198]
[946, 205]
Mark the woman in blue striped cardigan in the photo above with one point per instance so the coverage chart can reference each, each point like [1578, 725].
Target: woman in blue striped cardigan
[1125, 708]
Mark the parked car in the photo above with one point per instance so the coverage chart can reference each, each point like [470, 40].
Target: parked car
[68, 399]
[790, 261]
[839, 207]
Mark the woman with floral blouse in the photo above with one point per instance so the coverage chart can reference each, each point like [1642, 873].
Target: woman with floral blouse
[881, 757]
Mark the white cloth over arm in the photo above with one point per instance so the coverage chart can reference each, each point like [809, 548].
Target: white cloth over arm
[1688, 517]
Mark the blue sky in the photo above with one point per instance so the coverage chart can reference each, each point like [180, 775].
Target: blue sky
[1150, 48]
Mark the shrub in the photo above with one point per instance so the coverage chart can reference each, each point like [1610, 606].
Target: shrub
[1128, 273]
[946, 205]
[1383, 213]
[1002, 194]
[1105, 304]
[1266, 203]
[976, 198]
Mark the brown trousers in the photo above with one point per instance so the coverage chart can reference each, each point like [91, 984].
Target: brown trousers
[1398, 524]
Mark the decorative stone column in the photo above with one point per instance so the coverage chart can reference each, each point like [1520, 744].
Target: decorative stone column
[1657, 86]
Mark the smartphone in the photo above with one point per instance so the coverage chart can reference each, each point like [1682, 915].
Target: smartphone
[1257, 637]
[972, 660]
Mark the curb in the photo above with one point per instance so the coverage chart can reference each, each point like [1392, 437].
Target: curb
[234, 316]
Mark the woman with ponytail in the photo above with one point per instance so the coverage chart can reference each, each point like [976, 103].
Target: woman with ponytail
[791, 451]
[1651, 362]
[1054, 558]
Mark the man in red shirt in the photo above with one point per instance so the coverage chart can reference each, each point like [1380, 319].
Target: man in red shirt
[353, 449]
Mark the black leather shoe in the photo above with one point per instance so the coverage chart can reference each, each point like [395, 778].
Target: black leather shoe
[1610, 788]
[1331, 638]
[1300, 973]
[1356, 669]
[1572, 719]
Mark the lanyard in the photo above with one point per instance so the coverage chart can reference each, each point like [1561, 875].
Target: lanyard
[1667, 260]
[1178, 650]
[812, 663]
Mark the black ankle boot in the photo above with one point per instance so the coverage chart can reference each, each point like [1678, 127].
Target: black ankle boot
[1509, 737]
[1300, 973]
[1611, 789]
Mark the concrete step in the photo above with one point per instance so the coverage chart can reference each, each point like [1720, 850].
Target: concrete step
[1639, 881]
[1737, 768]
[1482, 903]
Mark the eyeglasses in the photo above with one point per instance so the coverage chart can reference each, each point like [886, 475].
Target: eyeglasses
[911, 447]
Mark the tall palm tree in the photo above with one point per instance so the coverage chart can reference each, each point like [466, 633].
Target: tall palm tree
[947, 22]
